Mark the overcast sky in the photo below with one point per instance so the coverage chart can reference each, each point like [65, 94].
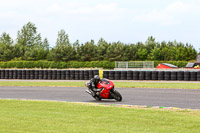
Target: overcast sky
[128, 21]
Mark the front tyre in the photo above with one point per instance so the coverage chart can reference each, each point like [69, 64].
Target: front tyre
[117, 96]
[97, 98]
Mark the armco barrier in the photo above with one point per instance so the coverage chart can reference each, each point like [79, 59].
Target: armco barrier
[88, 74]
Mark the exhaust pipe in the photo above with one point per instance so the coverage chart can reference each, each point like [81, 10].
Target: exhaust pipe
[89, 92]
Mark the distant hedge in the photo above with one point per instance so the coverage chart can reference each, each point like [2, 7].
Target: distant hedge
[74, 64]
[58, 65]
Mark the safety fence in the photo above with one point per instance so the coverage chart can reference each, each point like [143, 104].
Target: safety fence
[49, 74]
[88, 74]
[134, 64]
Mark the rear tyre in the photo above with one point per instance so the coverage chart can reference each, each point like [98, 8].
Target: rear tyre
[117, 96]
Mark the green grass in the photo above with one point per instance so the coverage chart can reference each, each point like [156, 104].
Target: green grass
[117, 84]
[61, 117]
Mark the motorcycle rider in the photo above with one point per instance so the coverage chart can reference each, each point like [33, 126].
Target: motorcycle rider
[93, 85]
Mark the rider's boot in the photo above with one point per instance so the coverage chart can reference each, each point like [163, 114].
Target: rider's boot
[92, 92]
[97, 91]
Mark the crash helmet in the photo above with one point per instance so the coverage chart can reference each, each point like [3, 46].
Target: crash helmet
[96, 79]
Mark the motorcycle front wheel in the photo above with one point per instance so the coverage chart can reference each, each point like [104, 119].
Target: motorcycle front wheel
[97, 98]
[117, 96]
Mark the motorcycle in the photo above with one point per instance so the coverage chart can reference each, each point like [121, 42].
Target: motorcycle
[107, 90]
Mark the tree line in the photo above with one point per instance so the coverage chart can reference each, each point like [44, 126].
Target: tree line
[30, 46]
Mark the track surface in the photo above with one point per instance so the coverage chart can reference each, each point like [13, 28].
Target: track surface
[180, 98]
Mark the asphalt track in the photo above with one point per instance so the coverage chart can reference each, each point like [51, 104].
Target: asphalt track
[181, 98]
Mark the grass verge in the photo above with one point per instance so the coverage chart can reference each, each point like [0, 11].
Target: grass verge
[60, 117]
[117, 84]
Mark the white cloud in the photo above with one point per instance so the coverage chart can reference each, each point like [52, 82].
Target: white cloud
[109, 11]
[171, 15]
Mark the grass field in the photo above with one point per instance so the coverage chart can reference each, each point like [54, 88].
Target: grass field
[60, 117]
[117, 84]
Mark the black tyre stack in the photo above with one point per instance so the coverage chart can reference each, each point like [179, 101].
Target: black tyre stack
[49, 74]
[180, 75]
[45, 74]
[167, 75]
[173, 75]
[154, 75]
[142, 75]
[105, 74]
[123, 75]
[58, 75]
[32, 73]
[193, 76]
[19, 74]
[135, 75]
[86, 75]
[40, 74]
[129, 75]
[161, 75]
[91, 75]
[27, 74]
[117, 75]
[198, 76]
[6, 74]
[77, 77]
[96, 72]
[72, 74]
[111, 75]
[63, 74]
[14, 74]
[81, 75]
[186, 76]
[36, 75]
[23, 74]
[54, 74]
[2, 74]
[67, 76]
[10, 74]
[148, 75]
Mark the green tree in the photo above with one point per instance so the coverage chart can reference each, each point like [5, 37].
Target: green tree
[27, 41]
[63, 51]
[6, 47]
[89, 51]
[115, 52]
[142, 53]
[102, 48]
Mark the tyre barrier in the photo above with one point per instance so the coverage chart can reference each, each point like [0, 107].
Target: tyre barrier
[123, 75]
[88, 74]
[161, 75]
[135, 75]
[148, 75]
[153, 75]
[129, 75]
[198, 76]
[49, 74]
[142, 75]
[117, 75]
[186, 76]
[180, 75]
[167, 75]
